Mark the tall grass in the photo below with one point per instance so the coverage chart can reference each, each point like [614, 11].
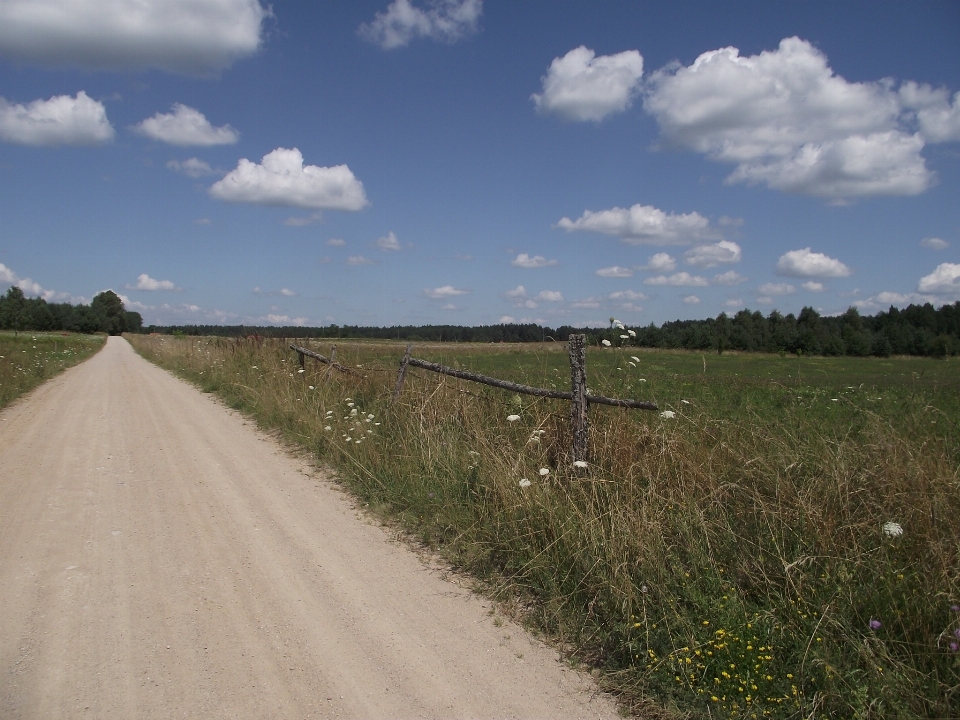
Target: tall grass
[732, 561]
[29, 358]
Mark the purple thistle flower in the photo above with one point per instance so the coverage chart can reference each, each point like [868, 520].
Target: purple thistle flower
[955, 608]
[875, 624]
[956, 633]
[953, 647]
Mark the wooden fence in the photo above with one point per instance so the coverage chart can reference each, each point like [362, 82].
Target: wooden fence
[578, 397]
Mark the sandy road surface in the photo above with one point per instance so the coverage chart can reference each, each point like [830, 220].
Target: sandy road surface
[161, 558]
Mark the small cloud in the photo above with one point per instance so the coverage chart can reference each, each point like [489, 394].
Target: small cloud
[644, 225]
[194, 167]
[537, 261]
[444, 292]
[586, 303]
[145, 282]
[812, 286]
[283, 179]
[934, 243]
[945, 280]
[257, 291]
[615, 272]
[804, 263]
[776, 289]
[581, 86]
[448, 306]
[61, 120]
[707, 256]
[389, 242]
[445, 21]
[628, 295]
[286, 320]
[661, 262]
[203, 221]
[506, 320]
[519, 292]
[734, 303]
[336, 242]
[287, 293]
[518, 296]
[185, 126]
[550, 296]
[359, 260]
[731, 277]
[691, 300]
[302, 221]
[765, 300]
[680, 279]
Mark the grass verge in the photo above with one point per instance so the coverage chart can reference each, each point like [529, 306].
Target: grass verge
[786, 545]
[29, 358]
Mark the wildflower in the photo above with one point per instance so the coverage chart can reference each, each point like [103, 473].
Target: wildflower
[685, 402]
[605, 343]
[512, 418]
[624, 337]
[631, 333]
[892, 529]
[875, 624]
[524, 483]
[544, 472]
[618, 325]
[254, 367]
[954, 647]
[349, 404]
[370, 416]
[631, 363]
[311, 387]
[635, 358]
[668, 414]
[328, 428]
[581, 464]
[955, 608]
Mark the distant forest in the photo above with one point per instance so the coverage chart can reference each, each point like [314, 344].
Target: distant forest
[916, 330]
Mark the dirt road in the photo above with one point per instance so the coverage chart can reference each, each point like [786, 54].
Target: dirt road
[159, 557]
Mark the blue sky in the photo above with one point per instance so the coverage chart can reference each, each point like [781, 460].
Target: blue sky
[468, 162]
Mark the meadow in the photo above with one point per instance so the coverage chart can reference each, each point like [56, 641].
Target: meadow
[781, 540]
[29, 358]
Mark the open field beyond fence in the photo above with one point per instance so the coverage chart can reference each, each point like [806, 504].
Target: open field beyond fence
[29, 358]
[784, 543]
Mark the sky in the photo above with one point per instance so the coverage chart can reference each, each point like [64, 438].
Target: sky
[471, 162]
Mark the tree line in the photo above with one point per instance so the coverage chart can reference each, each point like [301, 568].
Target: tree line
[915, 330]
[105, 313]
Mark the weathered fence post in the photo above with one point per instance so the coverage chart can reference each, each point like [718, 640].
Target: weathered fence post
[300, 357]
[402, 375]
[578, 404]
[333, 361]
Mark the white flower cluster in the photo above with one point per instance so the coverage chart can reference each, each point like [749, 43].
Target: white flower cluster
[358, 426]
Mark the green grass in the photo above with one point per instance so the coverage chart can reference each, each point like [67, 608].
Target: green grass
[29, 358]
[727, 562]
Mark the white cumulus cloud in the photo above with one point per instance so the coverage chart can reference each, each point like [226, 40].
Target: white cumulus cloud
[582, 86]
[185, 126]
[145, 282]
[630, 295]
[691, 300]
[283, 179]
[550, 296]
[197, 37]
[805, 263]
[776, 289]
[731, 277]
[938, 118]
[661, 262]
[945, 280]
[707, 256]
[537, 261]
[31, 288]
[615, 272]
[388, 242]
[359, 260]
[194, 167]
[644, 225]
[786, 120]
[812, 286]
[935, 243]
[61, 120]
[680, 279]
[336, 242]
[443, 20]
[446, 291]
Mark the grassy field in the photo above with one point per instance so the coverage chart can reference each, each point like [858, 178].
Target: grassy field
[30, 358]
[786, 545]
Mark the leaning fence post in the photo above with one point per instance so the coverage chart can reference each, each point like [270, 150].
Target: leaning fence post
[402, 375]
[578, 404]
[333, 361]
[300, 357]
